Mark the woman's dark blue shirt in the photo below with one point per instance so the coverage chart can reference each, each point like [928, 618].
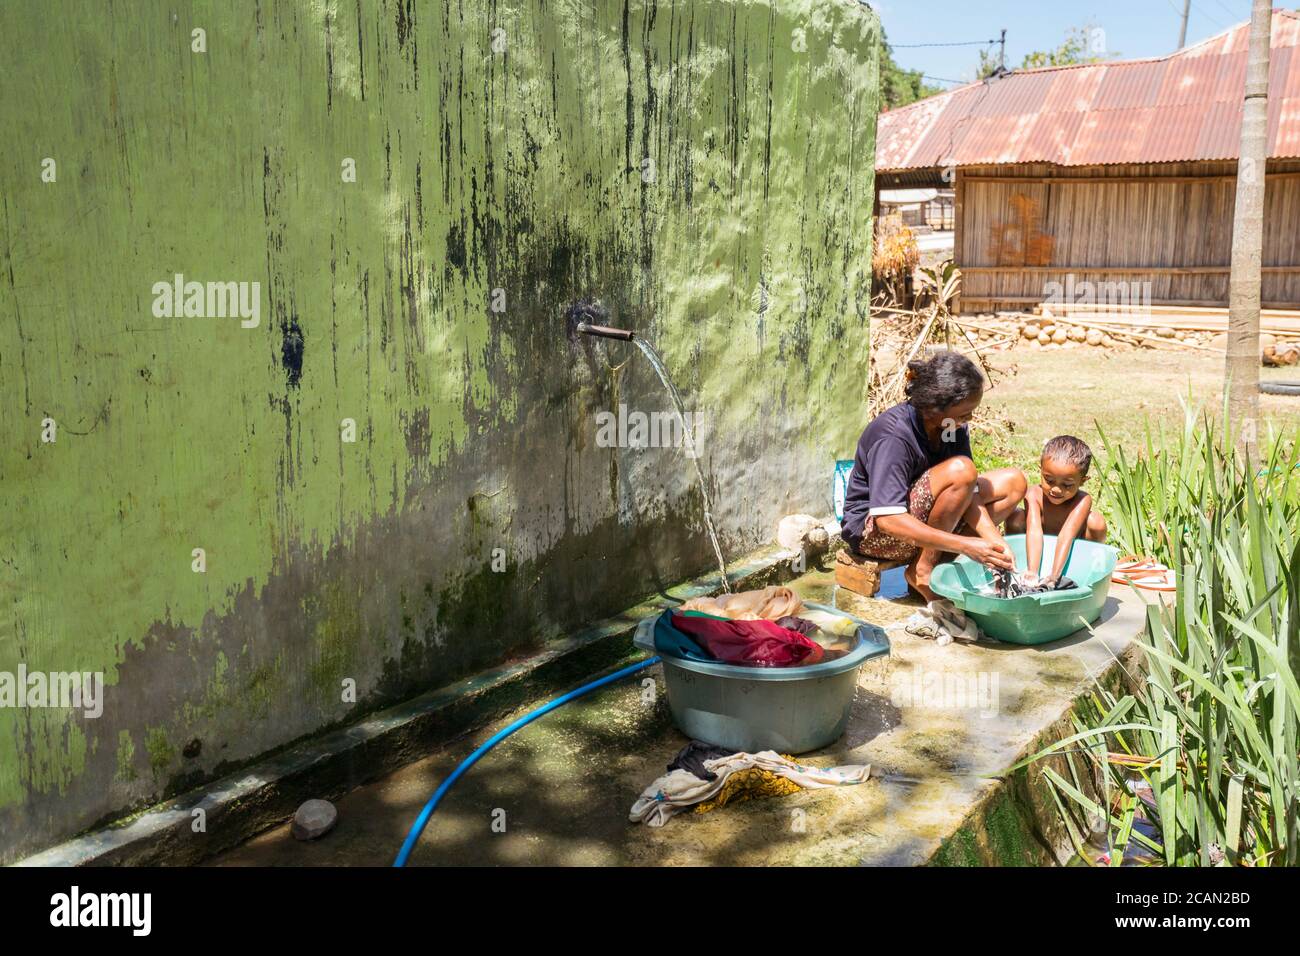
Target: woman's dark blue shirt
[893, 453]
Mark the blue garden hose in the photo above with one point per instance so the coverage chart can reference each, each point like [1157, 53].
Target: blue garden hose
[423, 819]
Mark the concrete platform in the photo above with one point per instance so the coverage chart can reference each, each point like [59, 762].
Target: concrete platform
[937, 724]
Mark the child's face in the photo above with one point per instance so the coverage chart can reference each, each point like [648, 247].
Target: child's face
[1061, 480]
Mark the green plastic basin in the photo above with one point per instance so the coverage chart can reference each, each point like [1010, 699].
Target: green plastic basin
[1032, 618]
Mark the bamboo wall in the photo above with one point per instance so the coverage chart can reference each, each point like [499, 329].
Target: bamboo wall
[1169, 225]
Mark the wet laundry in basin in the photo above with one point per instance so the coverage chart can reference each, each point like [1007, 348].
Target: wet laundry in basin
[801, 624]
[766, 604]
[757, 643]
[1014, 584]
[833, 645]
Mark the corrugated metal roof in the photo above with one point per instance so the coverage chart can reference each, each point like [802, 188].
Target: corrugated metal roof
[1179, 108]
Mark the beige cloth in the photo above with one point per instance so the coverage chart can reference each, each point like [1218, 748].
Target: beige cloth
[943, 622]
[769, 604]
[675, 791]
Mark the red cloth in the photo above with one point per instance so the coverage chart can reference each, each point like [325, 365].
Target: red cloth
[753, 643]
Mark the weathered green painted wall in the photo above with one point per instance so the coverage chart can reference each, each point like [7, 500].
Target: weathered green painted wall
[497, 145]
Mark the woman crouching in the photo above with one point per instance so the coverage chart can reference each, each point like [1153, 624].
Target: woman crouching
[914, 493]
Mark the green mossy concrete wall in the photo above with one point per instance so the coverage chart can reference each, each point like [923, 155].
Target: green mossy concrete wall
[703, 168]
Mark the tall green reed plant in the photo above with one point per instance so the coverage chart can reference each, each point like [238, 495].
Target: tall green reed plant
[1210, 727]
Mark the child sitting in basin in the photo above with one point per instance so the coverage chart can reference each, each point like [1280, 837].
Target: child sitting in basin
[1057, 505]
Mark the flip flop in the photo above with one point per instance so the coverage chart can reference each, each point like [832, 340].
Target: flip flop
[1162, 580]
[1133, 566]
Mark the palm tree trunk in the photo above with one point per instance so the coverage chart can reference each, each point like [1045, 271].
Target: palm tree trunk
[1242, 360]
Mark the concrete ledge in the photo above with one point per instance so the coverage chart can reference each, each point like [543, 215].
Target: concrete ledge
[939, 791]
[1016, 823]
[241, 805]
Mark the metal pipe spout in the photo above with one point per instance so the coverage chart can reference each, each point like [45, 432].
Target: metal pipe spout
[586, 328]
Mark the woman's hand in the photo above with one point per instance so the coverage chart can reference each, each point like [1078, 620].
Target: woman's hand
[991, 554]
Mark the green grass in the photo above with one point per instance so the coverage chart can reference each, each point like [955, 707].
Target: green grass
[1078, 391]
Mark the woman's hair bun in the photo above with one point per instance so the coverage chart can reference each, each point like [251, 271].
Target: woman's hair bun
[945, 379]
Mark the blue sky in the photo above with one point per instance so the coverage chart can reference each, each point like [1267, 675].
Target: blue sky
[1129, 28]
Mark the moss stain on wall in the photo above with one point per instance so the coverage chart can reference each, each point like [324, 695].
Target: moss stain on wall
[704, 169]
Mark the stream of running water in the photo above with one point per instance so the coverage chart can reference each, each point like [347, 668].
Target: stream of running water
[688, 436]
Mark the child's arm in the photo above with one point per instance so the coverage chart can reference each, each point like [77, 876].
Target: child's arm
[1069, 531]
[1033, 530]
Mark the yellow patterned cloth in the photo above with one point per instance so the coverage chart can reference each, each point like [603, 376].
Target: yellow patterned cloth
[752, 784]
[679, 790]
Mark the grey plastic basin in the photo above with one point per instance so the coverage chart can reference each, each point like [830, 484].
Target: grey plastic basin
[787, 709]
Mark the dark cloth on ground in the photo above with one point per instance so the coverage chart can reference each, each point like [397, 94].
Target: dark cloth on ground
[692, 757]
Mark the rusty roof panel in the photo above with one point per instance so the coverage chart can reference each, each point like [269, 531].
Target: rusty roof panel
[1171, 133]
[1113, 137]
[1284, 128]
[937, 146]
[1073, 91]
[1230, 78]
[1194, 79]
[1284, 74]
[1286, 32]
[910, 126]
[1011, 99]
[1053, 137]
[1182, 107]
[1220, 131]
[1129, 86]
[985, 138]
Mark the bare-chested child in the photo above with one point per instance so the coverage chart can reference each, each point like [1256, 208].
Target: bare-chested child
[1058, 505]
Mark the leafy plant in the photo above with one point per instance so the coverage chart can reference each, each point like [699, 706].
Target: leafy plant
[1204, 747]
[940, 285]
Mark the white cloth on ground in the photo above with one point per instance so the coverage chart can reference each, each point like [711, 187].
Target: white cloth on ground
[943, 622]
[679, 789]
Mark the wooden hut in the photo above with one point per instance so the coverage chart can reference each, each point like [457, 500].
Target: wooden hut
[911, 206]
[1112, 179]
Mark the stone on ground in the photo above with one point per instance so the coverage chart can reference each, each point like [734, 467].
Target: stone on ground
[314, 819]
[802, 533]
